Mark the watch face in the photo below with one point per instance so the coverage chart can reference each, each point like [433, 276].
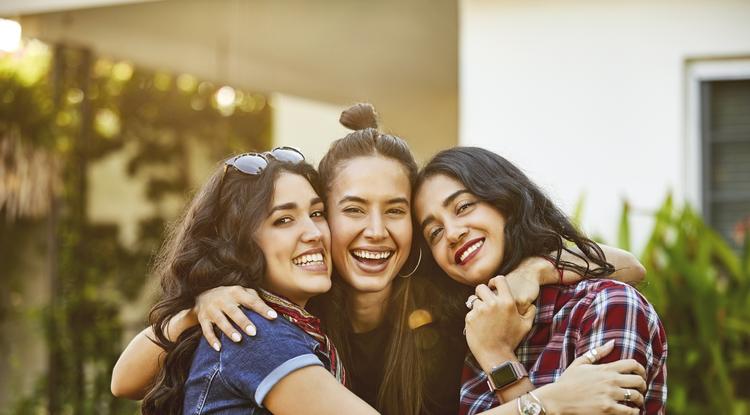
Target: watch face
[503, 376]
[531, 408]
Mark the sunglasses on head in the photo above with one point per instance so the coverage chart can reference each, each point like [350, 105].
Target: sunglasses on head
[254, 163]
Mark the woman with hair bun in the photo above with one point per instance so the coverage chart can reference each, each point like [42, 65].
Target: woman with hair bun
[403, 349]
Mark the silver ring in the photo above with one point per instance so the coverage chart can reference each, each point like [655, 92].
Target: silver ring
[628, 395]
[470, 301]
[591, 356]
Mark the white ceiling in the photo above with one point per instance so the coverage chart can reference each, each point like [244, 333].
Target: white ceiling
[11, 8]
[400, 54]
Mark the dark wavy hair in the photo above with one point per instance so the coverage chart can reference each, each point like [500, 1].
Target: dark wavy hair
[211, 245]
[534, 225]
[401, 391]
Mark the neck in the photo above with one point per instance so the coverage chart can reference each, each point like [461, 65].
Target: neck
[367, 309]
[302, 302]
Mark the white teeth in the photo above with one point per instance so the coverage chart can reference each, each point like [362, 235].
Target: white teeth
[471, 249]
[372, 254]
[308, 259]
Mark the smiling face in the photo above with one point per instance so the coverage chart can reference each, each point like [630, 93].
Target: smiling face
[465, 234]
[370, 219]
[295, 241]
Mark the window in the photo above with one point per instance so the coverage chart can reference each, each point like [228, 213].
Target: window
[725, 154]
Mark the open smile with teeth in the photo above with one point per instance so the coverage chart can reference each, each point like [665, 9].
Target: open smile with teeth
[371, 256]
[467, 252]
[310, 259]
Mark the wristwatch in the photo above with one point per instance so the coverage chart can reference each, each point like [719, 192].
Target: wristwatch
[506, 374]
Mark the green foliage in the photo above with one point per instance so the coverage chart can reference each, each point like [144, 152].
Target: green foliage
[623, 234]
[24, 85]
[83, 109]
[701, 289]
[578, 210]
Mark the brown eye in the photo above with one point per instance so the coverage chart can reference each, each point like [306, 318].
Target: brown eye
[353, 210]
[283, 221]
[463, 206]
[434, 233]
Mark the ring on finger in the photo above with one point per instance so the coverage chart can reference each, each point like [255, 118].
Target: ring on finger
[591, 356]
[628, 395]
[470, 301]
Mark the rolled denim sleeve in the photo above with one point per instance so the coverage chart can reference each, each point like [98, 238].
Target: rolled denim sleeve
[256, 364]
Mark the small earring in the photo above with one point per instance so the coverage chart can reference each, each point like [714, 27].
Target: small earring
[419, 261]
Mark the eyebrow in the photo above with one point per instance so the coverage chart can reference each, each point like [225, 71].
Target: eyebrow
[292, 205]
[448, 200]
[358, 199]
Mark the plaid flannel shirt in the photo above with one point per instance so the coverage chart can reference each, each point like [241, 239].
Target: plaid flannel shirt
[570, 320]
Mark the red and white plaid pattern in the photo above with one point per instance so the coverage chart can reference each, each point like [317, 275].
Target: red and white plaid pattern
[571, 320]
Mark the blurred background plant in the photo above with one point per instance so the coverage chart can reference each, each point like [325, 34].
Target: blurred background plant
[700, 286]
[64, 114]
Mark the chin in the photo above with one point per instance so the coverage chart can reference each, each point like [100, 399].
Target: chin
[314, 285]
[468, 278]
[320, 287]
[369, 283]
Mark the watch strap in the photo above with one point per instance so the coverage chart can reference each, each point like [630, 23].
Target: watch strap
[498, 379]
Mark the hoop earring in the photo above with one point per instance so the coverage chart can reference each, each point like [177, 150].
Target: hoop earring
[419, 261]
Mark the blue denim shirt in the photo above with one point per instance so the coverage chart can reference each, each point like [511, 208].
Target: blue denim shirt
[238, 378]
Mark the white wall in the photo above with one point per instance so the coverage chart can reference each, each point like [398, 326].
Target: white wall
[590, 97]
[308, 125]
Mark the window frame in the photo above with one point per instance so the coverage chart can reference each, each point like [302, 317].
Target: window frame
[696, 153]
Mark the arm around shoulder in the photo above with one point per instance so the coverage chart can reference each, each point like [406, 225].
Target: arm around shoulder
[628, 268]
[313, 390]
[279, 370]
[137, 367]
[140, 362]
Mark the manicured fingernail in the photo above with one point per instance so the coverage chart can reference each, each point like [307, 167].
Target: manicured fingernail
[272, 313]
[250, 330]
[217, 346]
[236, 336]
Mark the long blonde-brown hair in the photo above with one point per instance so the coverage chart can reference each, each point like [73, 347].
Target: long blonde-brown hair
[401, 390]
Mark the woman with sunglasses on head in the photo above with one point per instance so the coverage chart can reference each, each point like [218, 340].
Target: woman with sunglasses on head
[258, 223]
[367, 180]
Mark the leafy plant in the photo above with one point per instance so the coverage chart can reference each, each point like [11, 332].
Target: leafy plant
[700, 287]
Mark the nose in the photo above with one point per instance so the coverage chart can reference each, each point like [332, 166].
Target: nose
[455, 233]
[375, 229]
[311, 232]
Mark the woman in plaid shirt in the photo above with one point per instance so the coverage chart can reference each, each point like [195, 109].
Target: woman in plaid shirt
[482, 217]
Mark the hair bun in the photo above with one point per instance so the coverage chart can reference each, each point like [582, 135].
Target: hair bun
[359, 116]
